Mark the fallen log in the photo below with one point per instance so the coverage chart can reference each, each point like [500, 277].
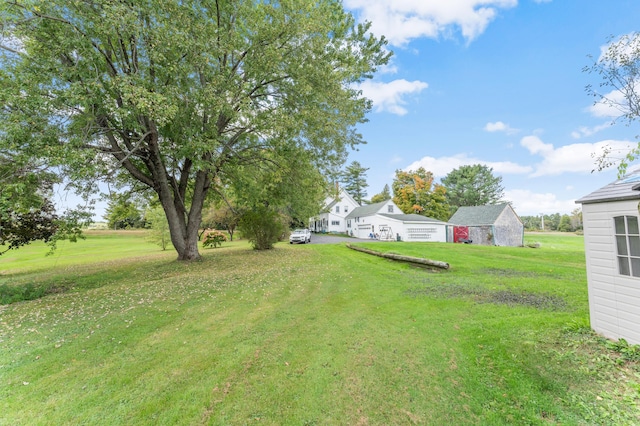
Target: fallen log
[410, 259]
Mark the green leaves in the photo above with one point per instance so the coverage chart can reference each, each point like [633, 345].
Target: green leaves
[415, 192]
[473, 185]
[174, 96]
[354, 179]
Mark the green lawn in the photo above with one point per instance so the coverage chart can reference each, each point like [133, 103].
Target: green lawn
[308, 335]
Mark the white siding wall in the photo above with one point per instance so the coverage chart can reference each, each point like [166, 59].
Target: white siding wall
[426, 232]
[614, 299]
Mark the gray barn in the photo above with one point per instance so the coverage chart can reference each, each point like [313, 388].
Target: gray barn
[496, 225]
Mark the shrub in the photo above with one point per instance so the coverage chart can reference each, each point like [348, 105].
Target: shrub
[263, 227]
[213, 238]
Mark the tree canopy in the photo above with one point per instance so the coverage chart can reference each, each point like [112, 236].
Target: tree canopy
[27, 213]
[473, 185]
[354, 180]
[415, 192]
[619, 68]
[179, 98]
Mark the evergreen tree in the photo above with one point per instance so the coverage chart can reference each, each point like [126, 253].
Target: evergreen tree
[354, 181]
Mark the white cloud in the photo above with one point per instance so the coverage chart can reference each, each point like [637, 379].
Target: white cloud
[528, 203]
[588, 131]
[612, 105]
[389, 96]
[576, 158]
[403, 20]
[499, 126]
[626, 46]
[440, 167]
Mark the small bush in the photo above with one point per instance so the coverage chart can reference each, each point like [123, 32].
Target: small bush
[263, 227]
[213, 238]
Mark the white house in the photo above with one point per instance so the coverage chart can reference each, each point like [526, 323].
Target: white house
[612, 249]
[332, 218]
[382, 220]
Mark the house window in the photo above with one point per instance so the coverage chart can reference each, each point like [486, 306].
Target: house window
[628, 245]
[335, 222]
[349, 224]
[337, 209]
[346, 209]
[390, 209]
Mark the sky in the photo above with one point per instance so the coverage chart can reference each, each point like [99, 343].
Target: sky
[494, 82]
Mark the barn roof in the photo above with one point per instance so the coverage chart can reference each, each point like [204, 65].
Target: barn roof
[478, 215]
[625, 188]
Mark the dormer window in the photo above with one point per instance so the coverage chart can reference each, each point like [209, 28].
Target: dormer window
[337, 209]
[346, 209]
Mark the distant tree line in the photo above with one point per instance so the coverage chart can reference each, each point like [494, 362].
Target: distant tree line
[554, 222]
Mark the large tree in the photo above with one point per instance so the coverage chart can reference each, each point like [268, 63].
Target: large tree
[176, 97]
[473, 185]
[415, 192]
[619, 68]
[354, 180]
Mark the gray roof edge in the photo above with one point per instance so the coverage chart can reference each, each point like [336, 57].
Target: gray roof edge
[586, 200]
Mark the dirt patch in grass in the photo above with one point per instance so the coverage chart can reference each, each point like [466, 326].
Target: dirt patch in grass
[498, 272]
[484, 295]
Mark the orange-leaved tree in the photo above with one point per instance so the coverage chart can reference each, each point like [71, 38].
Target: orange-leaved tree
[415, 192]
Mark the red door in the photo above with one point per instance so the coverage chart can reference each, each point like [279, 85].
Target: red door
[460, 233]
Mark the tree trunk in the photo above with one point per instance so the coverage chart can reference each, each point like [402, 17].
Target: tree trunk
[410, 259]
[189, 251]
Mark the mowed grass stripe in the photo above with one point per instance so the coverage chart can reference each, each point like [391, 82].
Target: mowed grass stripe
[305, 335]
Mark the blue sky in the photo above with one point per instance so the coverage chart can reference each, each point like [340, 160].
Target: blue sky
[496, 82]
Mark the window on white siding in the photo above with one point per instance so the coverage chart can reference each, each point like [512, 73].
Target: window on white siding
[628, 245]
[346, 209]
[337, 209]
[335, 222]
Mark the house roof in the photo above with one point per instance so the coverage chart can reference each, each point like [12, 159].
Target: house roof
[411, 218]
[625, 188]
[366, 210]
[478, 215]
[341, 196]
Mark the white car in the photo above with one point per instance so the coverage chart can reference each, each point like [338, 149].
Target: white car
[300, 236]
